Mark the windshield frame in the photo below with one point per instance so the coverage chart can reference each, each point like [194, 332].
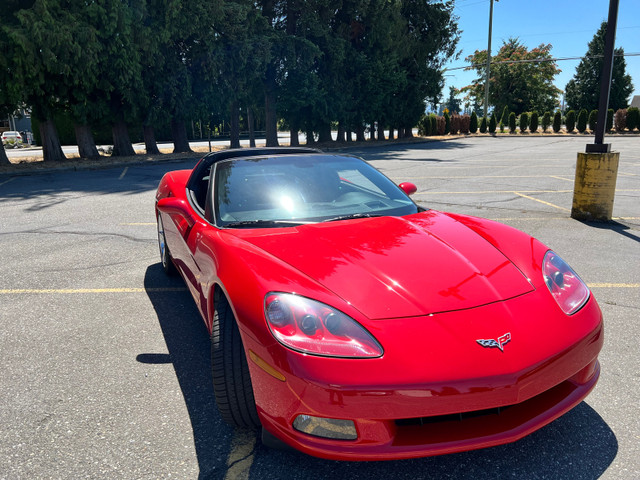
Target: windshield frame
[388, 191]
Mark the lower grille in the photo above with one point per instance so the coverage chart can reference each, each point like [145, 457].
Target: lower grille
[454, 417]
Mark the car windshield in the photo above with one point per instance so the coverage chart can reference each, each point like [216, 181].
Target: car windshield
[297, 189]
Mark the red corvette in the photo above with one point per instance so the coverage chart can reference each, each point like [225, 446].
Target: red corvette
[350, 323]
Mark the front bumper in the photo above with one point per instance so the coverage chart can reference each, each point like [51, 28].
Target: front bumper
[402, 410]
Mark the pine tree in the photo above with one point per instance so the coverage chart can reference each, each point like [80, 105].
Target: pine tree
[473, 123]
[570, 121]
[557, 121]
[524, 122]
[546, 121]
[583, 90]
[582, 120]
[535, 121]
[593, 120]
[512, 122]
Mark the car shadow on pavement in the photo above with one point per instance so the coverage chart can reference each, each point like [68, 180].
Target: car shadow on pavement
[189, 350]
[578, 445]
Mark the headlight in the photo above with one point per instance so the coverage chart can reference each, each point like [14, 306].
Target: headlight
[312, 327]
[569, 291]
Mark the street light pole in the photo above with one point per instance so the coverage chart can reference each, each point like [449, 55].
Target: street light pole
[486, 81]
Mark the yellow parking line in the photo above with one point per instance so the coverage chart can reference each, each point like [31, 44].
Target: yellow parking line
[138, 223]
[542, 201]
[484, 192]
[124, 172]
[62, 291]
[562, 178]
[613, 285]
[485, 176]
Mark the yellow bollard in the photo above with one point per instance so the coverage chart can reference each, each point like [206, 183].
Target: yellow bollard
[595, 186]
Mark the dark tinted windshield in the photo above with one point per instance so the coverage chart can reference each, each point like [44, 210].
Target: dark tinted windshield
[272, 191]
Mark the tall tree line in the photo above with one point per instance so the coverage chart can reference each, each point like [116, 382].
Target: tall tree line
[310, 64]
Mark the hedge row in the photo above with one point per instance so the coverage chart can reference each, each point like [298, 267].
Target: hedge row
[623, 120]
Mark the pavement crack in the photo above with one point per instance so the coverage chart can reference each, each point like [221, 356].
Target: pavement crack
[80, 233]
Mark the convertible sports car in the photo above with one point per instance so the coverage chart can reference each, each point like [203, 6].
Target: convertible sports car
[350, 323]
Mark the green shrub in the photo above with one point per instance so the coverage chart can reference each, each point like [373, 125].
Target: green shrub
[610, 115]
[512, 122]
[593, 120]
[492, 124]
[524, 122]
[447, 123]
[546, 121]
[434, 123]
[504, 119]
[581, 124]
[633, 118]
[483, 125]
[557, 121]
[424, 126]
[535, 121]
[570, 121]
[473, 123]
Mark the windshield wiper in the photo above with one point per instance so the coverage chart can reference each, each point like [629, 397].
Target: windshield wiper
[264, 223]
[353, 216]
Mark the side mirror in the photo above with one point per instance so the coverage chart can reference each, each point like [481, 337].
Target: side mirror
[177, 206]
[408, 188]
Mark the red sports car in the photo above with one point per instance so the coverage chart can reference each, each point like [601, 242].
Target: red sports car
[350, 323]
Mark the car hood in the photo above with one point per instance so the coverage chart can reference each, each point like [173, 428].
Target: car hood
[391, 267]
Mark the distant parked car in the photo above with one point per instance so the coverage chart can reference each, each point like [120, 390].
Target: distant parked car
[12, 139]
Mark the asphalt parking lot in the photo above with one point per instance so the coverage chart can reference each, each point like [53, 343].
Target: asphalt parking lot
[105, 361]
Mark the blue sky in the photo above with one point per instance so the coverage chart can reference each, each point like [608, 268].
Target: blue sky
[568, 25]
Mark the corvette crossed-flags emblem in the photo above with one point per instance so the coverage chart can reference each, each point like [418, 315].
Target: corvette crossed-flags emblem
[499, 343]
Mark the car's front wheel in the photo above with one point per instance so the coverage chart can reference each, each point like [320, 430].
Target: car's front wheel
[165, 257]
[231, 380]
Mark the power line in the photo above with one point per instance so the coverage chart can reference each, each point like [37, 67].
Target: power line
[539, 60]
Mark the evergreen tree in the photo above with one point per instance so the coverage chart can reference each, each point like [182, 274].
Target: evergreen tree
[483, 125]
[524, 122]
[570, 121]
[610, 115]
[633, 118]
[473, 123]
[512, 122]
[581, 124]
[492, 124]
[534, 123]
[504, 119]
[557, 121]
[593, 120]
[546, 121]
[583, 90]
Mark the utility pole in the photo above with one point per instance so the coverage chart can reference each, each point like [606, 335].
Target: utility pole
[488, 69]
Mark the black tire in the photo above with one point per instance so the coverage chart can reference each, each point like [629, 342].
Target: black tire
[165, 256]
[231, 379]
